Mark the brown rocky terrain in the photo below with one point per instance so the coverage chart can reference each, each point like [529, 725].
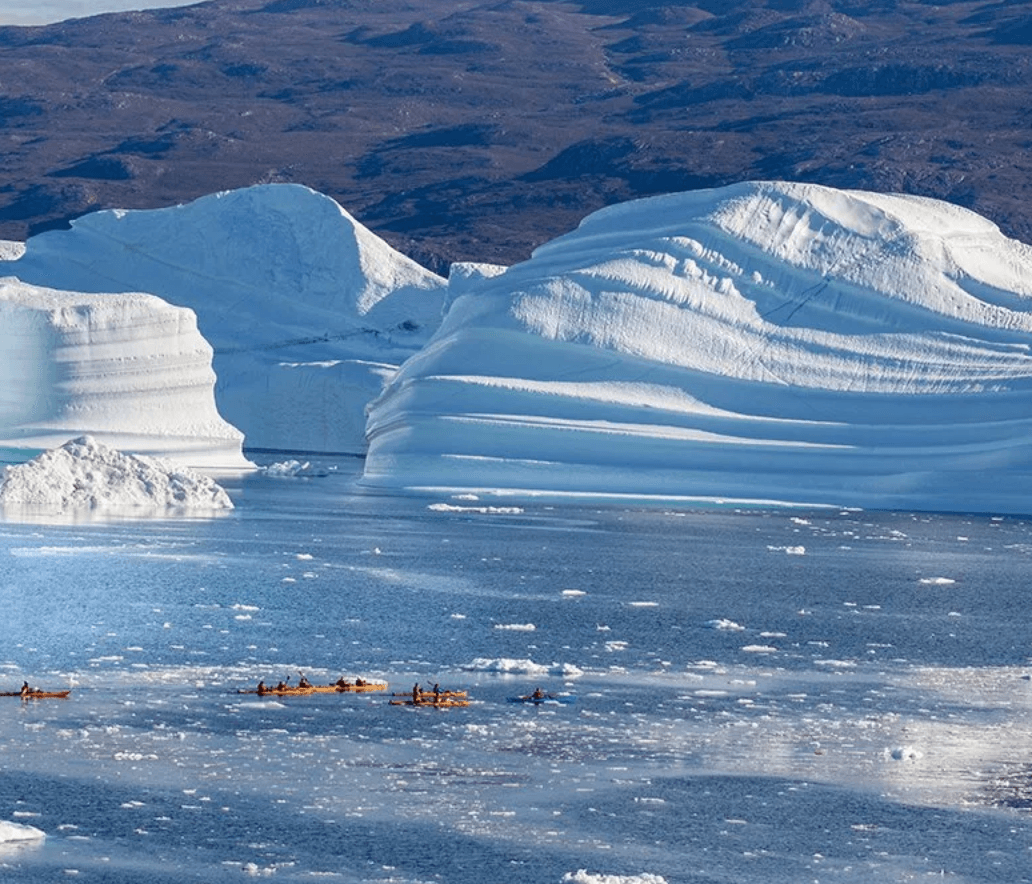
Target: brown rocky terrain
[468, 130]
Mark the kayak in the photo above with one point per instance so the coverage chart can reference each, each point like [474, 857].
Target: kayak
[430, 695]
[37, 695]
[443, 703]
[298, 691]
[547, 698]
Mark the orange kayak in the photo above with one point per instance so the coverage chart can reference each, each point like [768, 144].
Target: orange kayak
[37, 695]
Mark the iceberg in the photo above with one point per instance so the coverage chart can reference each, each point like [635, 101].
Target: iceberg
[760, 342]
[307, 311]
[84, 474]
[129, 368]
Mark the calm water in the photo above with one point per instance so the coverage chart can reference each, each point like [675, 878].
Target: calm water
[749, 696]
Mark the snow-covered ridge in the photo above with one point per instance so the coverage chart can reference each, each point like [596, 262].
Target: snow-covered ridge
[765, 340]
[307, 311]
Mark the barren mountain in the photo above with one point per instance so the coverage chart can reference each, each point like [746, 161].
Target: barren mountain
[459, 129]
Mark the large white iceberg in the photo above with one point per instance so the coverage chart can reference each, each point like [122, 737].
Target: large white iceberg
[765, 341]
[129, 368]
[307, 311]
[86, 474]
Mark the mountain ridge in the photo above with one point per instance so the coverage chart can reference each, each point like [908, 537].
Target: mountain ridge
[477, 131]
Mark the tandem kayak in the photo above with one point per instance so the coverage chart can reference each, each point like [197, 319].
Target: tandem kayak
[37, 695]
[298, 691]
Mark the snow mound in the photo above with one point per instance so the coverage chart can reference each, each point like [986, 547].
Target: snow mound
[765, 341]
[308, 311]
[85, 474]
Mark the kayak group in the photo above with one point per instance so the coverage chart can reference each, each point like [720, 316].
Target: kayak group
[418, 696]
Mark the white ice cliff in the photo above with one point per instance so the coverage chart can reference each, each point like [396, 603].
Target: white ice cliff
[308, 312]
[128, 368]
[764, 341]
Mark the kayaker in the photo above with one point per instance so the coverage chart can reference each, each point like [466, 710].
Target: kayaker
[437, 692]
[25, 689]
[359, 682]
[261, 687]
[304, 683]
[415, 693]
[342, 682]
[538, 694]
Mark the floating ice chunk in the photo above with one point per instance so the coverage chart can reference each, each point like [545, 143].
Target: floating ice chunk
[724, 623]
[288, 469]
[509, 666]
[936, 581]
[582, 876]
[573, 593]
[516, 627]
[904, 753]
[86, 474]
[789, 550]
[760, 649]
[483, 510]
[16, 833]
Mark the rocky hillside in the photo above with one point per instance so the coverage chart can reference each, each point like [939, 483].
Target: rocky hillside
[461, 129]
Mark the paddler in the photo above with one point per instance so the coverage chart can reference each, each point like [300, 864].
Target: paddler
[415, 693]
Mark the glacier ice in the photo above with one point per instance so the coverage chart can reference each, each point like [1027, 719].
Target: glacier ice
[307, 311]
[763, 341]
[130, 368]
